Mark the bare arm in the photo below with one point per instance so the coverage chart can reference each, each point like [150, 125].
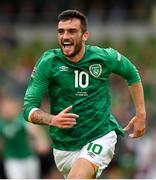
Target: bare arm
[62, 120]
[138, 122]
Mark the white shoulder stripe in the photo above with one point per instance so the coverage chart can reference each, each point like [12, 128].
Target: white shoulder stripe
[118, 56]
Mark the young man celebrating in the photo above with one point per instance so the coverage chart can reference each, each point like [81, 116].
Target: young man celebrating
[82, 128]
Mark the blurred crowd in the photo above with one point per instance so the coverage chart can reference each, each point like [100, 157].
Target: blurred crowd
[45, 11]
[133, 158]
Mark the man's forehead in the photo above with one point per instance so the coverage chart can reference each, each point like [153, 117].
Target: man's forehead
[69, 23]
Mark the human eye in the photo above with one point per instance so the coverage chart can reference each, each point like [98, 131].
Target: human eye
[72, 31]
[60, 31]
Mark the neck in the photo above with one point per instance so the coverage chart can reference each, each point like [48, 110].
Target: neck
[78, 56]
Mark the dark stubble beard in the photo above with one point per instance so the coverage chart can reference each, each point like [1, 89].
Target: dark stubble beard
[77, 49]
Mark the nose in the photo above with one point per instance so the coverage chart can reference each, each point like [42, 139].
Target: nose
[65, 35]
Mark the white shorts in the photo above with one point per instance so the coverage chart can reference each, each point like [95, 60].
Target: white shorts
[99, 152]
[26, 168]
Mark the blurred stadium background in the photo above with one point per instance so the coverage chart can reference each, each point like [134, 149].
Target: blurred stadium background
[28, 28]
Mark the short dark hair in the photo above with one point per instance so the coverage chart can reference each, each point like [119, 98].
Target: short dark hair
[70, 14]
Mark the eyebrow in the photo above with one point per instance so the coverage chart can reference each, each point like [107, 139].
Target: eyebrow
[67, 29]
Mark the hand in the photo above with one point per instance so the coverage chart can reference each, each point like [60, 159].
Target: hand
[64, 119]
[138, 125]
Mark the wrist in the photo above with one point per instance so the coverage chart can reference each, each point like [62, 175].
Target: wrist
[141, 114]
[51, 120]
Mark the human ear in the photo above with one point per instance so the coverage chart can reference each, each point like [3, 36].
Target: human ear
[85, 36]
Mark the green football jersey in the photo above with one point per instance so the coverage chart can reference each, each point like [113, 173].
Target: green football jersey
[85, 86]
[15, 138]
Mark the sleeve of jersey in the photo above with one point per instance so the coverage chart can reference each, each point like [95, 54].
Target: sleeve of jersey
[123, 67]
[37, 87]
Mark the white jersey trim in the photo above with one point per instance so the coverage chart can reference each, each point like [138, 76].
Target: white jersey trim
[32, 110]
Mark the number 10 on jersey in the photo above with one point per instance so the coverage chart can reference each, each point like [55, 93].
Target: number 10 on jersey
[81, 79]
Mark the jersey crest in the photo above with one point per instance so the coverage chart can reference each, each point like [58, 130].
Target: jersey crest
[95, 70]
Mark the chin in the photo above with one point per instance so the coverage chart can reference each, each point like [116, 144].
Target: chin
[68, 54]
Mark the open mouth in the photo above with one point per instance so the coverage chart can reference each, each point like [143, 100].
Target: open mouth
[67, 45]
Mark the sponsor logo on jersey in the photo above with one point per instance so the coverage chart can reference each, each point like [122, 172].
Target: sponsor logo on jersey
[91, 154]
[95, 70]
[64, 68]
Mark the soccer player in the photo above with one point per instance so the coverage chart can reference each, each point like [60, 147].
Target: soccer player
[20, 160]
[82, 128]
